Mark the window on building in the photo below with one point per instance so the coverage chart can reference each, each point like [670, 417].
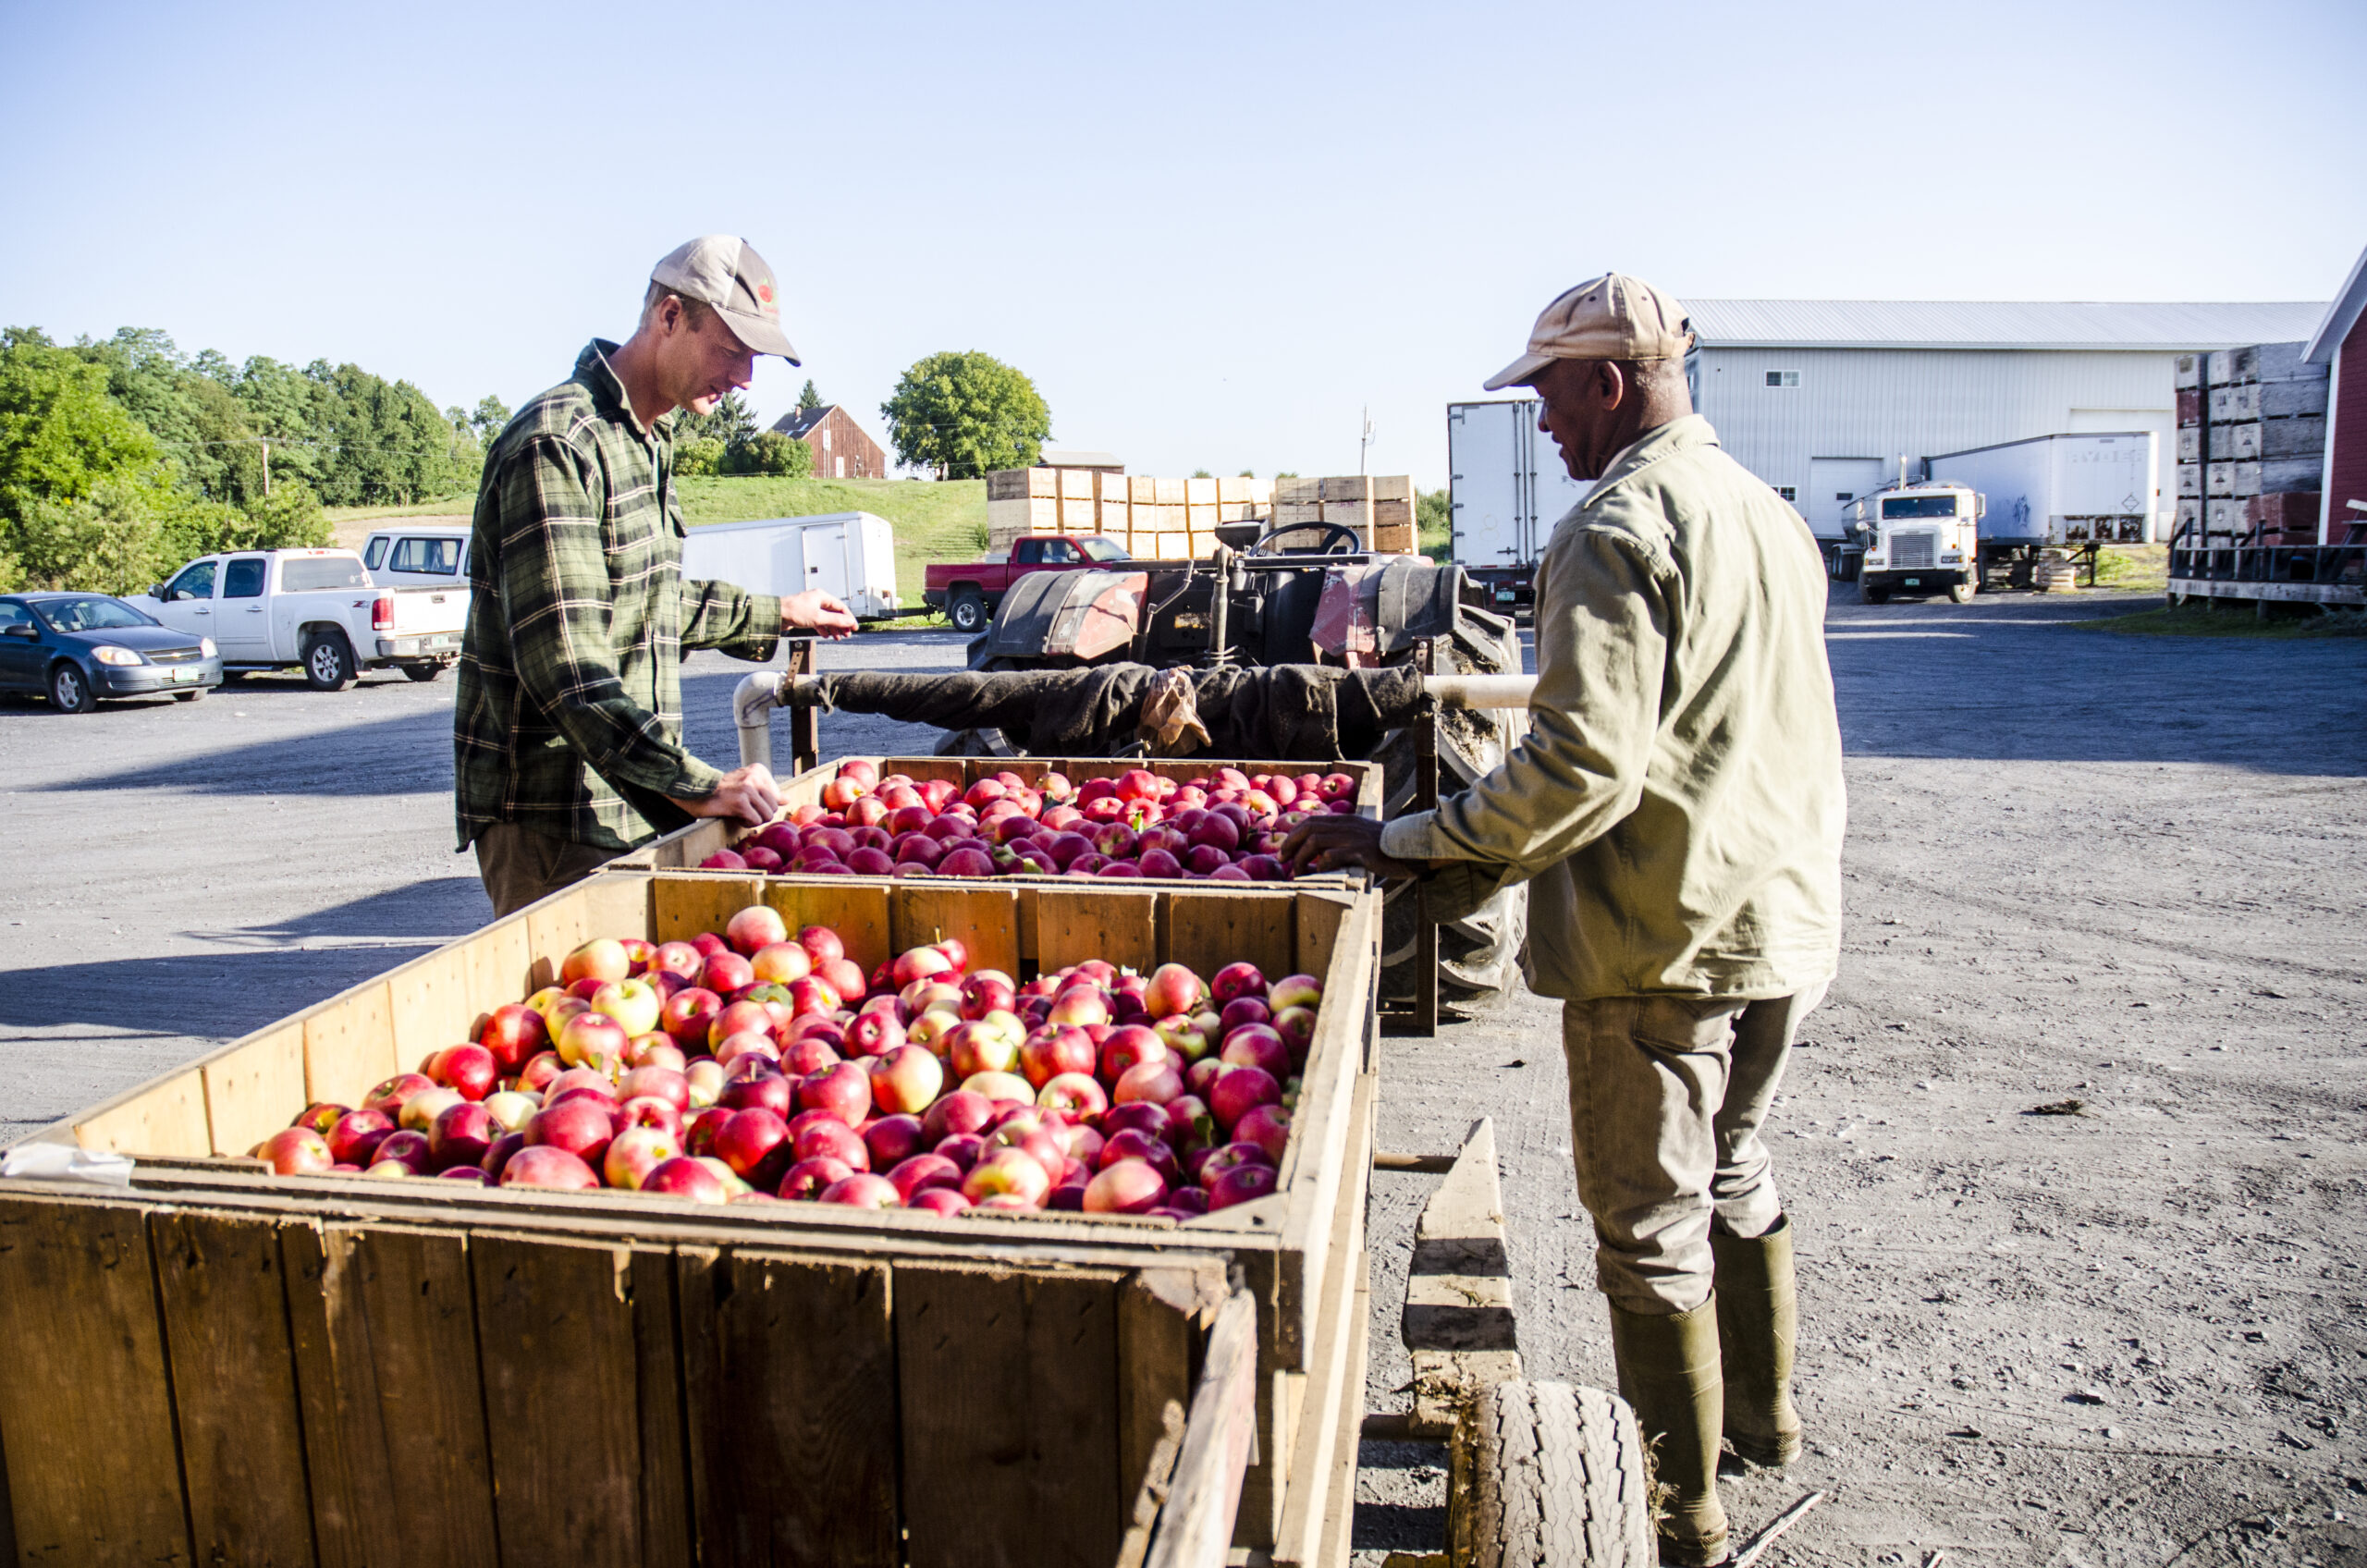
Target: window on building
[1789, 493]
[1783, 378]
[1844, 494]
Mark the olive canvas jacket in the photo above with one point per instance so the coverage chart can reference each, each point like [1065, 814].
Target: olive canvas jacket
[1677, 804]
[569, 716]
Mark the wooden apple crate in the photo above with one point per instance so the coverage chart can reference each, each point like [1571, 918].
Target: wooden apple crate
[683, 850]
[218, 1366]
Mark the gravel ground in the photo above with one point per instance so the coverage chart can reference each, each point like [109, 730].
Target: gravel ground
[2120, 870]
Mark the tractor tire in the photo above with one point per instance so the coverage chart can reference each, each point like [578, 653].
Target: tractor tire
[328, 663]
[968, 610]
[1551, 1475]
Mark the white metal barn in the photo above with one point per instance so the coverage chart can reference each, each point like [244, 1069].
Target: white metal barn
[1821, 397]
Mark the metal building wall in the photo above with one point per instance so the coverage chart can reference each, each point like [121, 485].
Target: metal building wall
[1882, 402]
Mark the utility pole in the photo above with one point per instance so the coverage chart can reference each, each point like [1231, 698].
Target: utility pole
[267, 470]
[1365, 444]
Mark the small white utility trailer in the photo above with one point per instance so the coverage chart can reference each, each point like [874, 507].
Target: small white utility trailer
[850, 556]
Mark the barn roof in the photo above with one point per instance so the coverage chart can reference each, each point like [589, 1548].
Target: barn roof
[1947, 324]
[798, 421]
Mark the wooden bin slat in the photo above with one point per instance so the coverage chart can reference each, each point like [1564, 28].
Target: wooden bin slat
[565, 1451]
[789, 1380]
[987, 912]
[94, 1476]
[667, 1529]
[1121, 926]
[250, 1087]
[164, 1116]
[349, 1045]
[218, 1282]
[857, 913]
[1009, 1385]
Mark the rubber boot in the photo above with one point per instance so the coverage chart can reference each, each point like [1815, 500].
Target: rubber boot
[1668, 1370]
[1758, 1318]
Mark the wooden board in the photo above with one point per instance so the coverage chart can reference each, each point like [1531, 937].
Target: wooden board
[858, 913]
[1010, 1417]
[224, 1309]
[789, 1380]
[984, 915]
[93, 1474]
[1207, 934]
[1121, 926]
[1162, 1314]
[349, 1045]
[164, 1116]
[430, 1009]
[250, 1087]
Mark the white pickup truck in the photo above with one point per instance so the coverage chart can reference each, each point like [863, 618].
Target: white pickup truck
[266, 610]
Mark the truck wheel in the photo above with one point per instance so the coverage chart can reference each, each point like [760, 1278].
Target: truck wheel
[968, 610]
[1554, 1473]
[328, 662]
[70, 691]
[1871, 595]
[422, 672]
[1962, 592]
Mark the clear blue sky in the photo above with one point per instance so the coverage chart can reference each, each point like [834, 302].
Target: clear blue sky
[1211, 233]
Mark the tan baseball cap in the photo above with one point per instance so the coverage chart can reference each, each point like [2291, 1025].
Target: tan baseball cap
[1615, 317]
[724, 271]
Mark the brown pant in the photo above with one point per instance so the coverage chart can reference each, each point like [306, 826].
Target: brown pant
[1667, 1097]
[518, 865]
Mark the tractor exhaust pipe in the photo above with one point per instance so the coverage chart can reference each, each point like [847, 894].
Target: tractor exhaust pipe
[1481, 690]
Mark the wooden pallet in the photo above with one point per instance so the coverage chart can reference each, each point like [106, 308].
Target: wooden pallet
[217, 1364]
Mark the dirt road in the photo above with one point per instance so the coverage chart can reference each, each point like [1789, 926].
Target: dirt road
[2117, 870]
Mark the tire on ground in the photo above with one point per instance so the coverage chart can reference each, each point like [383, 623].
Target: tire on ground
[423, 672]
[968, 610]
[328, 662]
[1550, 1474]
[1873, 596]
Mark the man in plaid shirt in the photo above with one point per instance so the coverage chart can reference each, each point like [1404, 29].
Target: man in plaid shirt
[567, 730]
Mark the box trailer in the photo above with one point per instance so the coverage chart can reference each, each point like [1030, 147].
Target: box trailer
[849, 555]
[1506, 489]
[2061, 490]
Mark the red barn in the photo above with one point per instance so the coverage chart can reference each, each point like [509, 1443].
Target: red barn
[2340, 343]
[841, 449]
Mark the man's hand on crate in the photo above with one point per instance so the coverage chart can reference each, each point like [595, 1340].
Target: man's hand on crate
[1335, 843]
[817, 612]
[747, 794]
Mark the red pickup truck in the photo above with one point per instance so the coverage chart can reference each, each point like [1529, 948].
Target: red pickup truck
[968, 591]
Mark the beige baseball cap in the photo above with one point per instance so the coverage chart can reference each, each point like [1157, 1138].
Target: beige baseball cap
[724, 271]
[1615, 317]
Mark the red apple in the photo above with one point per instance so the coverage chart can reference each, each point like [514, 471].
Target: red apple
[1297, 1027]
[809, 1179]
[1074, 1095]
[460, 1135]
[1256, 1044]
[863, 1190]
[975, 1047]
[406, 1149]
[635, 1153]
[1130, 1187]
[544, 1165]
[905, 1081]
[513, 1033]
[298, 1151]
[540, 1070]
[875, 1032]
[1269, 1127]
[844, 1091]
[1007, 1171]
[420, 1111]
[594, 1039]
[1237, 980]
[825, 1137]
[727, 972]
[1171, 988]
[1240, 1185]
[1240, 1090]
[769, 1092]
[754, 929]
[939, 1200]
[1128, 1046]
[389, 1098]
[356, 1136]
[603, 957]
[956, 1113]
[781, 962]
[581, 1127]
[1052, 1049]
[987, 991]
[684, 1178]
[891, 1140]
[748, 1139]
[687, 1015]
[923, 1171]
[1001, 1087]
[663, 1083]
[1133, 1143]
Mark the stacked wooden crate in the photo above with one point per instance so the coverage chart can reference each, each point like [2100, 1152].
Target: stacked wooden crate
[2261, 444]
[1379, 509]
[1153, 519]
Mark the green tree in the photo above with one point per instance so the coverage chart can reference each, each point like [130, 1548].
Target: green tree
[699, 457]
[61, 435]
[731, 421]
[1434, 524]
[491, 417]
[808, 399]
[966, 415]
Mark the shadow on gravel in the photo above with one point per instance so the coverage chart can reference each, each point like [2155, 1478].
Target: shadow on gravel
[2011, 682]
[257, 975]
[404, 756]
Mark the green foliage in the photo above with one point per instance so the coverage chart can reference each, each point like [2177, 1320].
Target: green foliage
[1249, 473]
[808, 399]
[491, 418]
[770, 454]
[701, 456]
[966, 415]
[731, 421]
[1202, 473]
[1434, 524]
[290, 518]
[61, 435]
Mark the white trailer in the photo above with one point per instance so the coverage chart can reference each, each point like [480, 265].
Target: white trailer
[1506, 488]
[849, 555]
[2061, 490]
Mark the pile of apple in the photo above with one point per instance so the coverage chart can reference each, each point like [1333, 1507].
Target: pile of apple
[757, 1066]
[1225, 826]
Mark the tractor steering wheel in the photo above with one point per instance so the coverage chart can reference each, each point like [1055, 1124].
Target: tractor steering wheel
[1335, 534]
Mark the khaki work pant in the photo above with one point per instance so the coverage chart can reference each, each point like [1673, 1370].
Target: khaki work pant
[518, 865]
[1667, 1097]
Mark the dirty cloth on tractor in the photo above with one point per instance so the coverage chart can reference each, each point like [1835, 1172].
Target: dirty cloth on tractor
[1286, 713]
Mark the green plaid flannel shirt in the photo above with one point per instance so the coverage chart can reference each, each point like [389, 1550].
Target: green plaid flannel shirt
[569, 716]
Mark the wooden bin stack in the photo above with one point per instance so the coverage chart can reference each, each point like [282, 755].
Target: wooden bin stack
[683, 849]
[1379, 508]
[2252, 444]
[1153, 519]
[220, 1366]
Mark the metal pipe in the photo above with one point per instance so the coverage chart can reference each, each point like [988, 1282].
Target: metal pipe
[751, 709]
[1481, 691]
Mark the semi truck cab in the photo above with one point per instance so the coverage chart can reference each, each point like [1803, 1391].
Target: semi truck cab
[1919, 538]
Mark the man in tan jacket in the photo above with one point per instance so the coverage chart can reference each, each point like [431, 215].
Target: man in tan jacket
[1678, 810]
